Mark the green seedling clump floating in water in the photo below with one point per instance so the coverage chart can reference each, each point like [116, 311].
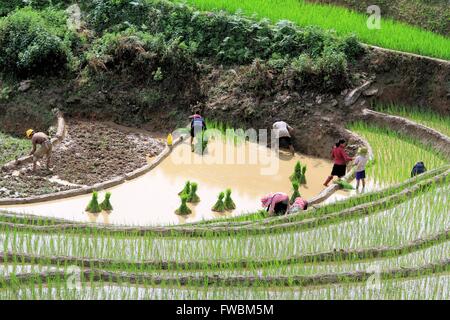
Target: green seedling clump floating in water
[183, 209]
[186, 190]
[106, 204]
[193, 197]
[296, 193]
[93, 206]
[219, 206]
[229, 203]
[344, 184]
[303, 176]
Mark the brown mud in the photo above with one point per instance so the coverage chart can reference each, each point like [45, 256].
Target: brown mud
[93, 152]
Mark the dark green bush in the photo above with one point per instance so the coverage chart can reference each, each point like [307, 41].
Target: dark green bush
[34, 42]
[7, 6]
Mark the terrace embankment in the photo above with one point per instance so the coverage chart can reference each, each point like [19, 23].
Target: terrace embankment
[422, 133]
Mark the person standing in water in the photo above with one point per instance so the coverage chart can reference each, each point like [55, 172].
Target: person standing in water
[340, 161]
[197, 125]
[283, 132]
[45, 149]
[360, 164]
[276, 203]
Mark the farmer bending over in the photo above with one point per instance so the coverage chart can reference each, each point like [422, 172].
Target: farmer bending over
[197, 125]
[299, 205]
[45, 148]
[283, 132]
[276, 203]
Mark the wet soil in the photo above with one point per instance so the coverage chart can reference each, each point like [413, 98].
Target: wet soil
[91, 152]
[95, 151]
[25, 184]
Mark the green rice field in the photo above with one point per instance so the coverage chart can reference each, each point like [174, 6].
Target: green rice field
[392, 35]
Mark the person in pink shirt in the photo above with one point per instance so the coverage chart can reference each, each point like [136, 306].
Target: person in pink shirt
[299, 205]
[276, 203]
[340, 161]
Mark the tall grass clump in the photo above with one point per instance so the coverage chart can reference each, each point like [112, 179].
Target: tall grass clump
[392, 35]
[395, 154]
[295, 193]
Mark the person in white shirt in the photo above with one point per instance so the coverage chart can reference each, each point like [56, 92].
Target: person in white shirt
[283, 132]
[360, 164]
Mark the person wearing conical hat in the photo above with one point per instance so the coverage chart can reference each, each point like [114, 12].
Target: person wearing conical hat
[45, 149]
[360, 164]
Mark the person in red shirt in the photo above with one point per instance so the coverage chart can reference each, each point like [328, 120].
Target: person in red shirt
[340, 161]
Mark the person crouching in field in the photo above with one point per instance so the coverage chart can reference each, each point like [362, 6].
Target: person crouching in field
[299, 205]
[360, 164]
[276, 203]
[45, 149]
[340, 161]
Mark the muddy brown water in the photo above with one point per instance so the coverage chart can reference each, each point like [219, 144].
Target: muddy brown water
[250, 170]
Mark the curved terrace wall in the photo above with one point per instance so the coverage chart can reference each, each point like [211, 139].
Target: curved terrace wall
[427, 136]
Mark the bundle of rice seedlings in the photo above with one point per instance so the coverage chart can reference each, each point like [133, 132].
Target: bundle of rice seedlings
[186, 190]
[106, 204]
[93, 206]
[183, 209]
[297, 175]
[219, 206]
[303, 176]
[229, 203]
[344, 184]
[296, 193]
[193, 197]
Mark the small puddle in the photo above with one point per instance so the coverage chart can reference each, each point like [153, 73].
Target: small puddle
[250, 170]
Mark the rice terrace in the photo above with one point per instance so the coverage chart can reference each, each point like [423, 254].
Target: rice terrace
[224, 150]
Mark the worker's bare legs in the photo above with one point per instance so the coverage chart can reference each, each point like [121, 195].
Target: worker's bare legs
[364, 184]
[34, 165]
[328, 181]
[49, 157]
[291, 147]
[357, 185]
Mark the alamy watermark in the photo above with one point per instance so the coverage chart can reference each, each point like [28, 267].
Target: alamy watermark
[374, 20]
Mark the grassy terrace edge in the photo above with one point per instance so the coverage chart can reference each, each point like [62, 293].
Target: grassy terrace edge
[392, 35]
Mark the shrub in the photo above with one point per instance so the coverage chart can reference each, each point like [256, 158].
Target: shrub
[187, 189]
[34, 42]
[7, 6]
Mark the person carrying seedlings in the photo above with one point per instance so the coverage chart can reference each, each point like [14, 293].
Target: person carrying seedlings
[45, 149]
[340, 161]
[418, 168]
[283, 132]
[276, 203]
[197, 125]
[299, 204]
[360, 164]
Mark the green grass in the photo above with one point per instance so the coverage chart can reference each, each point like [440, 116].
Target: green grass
[427, 118]
[395, 154]
[392, 35]
[11, 147]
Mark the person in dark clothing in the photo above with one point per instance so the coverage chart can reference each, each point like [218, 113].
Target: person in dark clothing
[418, 168]
[197, 125]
